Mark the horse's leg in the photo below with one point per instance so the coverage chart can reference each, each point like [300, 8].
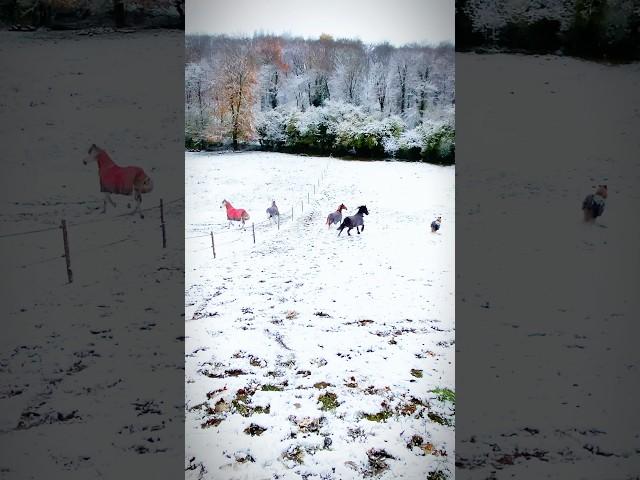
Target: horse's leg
[139, 204]
[362, 228]
[104, 205]
[113, 204]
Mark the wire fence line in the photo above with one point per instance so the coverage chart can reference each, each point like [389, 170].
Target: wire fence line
[119, 216]
[280, 219]
[64, 226]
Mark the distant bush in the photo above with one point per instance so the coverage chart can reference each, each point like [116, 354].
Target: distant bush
[541, 36]
[344, 129]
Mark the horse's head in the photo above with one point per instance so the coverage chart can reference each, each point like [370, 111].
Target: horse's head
[93, 154]
[147, 185]
[342, 207]
[602, 191]
[363, 209]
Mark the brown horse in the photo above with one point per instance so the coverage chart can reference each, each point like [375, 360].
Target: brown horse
[335, 217]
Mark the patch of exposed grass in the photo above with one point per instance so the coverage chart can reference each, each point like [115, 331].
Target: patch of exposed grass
[437, 475]
[295, 454]
[445, 395]
[329, 401]
[271, 388]
[242, 404]
[416, 373]
[381, 416]
[321, 385]
[434, 417]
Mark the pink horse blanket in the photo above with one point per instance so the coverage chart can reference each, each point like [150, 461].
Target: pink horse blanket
[120, 180]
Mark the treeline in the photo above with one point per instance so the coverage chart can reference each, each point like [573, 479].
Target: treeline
[72, 14]
[320, 96]
[596, 29]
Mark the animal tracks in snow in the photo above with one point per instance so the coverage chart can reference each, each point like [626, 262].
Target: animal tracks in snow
[325, 328]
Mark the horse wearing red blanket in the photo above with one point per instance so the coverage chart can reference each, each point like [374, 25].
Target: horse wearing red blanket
[119, 180]
[235, 214]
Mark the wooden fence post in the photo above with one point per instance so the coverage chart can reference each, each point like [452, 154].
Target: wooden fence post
[67, 258]
[253, 228]
[278, 221]
[164, 233]
[213, 246]
[308, 197]
[302, 205]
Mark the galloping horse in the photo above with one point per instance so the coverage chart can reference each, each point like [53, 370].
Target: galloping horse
[119, 180]
[335, 217]
[435, 225]
[273, 210]
[593, 204]
[356, 221]
[235, 214]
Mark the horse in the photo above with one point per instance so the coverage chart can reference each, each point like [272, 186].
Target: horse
[235, 214]
[119, 180]
[435, 225]
[593, 204]
[335, 217]
[356, 221]
[273, 210]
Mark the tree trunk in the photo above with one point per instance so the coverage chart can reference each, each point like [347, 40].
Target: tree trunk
[119, 14]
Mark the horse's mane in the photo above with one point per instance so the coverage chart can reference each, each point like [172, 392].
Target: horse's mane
[103, 158]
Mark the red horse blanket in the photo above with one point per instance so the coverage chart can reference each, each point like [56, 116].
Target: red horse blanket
[116, 179]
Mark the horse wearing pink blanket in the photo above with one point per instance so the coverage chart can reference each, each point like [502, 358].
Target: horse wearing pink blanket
[235, 214]
[119, 180]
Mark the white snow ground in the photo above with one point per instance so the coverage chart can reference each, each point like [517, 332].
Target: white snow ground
[63, 346]
[576, 297]
[303, 313]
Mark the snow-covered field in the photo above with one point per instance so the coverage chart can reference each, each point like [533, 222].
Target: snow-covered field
[84, 367]
[365, 323]
[562, 296]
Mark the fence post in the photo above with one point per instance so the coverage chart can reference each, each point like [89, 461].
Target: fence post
[213, 246]
[308, 197]
[164, 233]
[67, 258]
[278, 221]
[253, 229]
[314, 189]
[302, 205]
[292, 214]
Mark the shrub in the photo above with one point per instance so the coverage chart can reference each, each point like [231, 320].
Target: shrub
[271, 128]
[440, 146]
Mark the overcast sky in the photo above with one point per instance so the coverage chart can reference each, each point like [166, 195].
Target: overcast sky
[372, 21]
